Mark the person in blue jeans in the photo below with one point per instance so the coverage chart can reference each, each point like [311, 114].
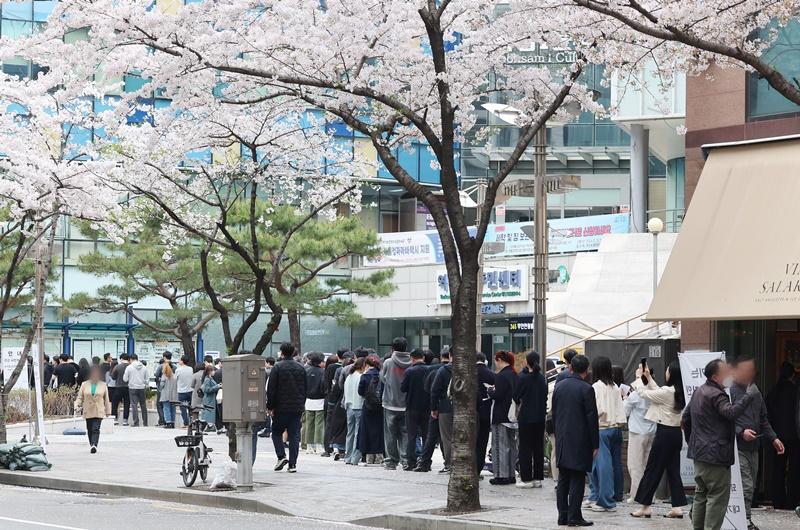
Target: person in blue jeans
[353, 403]
[183, 374]
[607, 478]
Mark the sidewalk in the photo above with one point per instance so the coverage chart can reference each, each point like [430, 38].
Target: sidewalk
[144, 462]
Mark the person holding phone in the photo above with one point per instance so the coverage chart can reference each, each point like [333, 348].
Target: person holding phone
[666, 404]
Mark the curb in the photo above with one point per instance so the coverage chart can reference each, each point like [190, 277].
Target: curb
[40, 480]
[429, 522]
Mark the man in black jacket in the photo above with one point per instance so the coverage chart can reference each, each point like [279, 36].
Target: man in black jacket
[782, 408]
[418, 404]
[485, 377]
[286, 399]
[577, 440]
[442, 409]
[332, 365]
[708, 425]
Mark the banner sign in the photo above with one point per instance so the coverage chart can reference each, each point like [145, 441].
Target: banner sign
[692, 365]
[11, 357]
[576, 234]
[500, 284]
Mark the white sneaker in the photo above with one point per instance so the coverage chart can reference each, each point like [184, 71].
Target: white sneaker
[537, 484]
[598, 508]
[525, 485]
[587, 504]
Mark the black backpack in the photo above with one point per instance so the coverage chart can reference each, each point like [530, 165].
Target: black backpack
[372, 397]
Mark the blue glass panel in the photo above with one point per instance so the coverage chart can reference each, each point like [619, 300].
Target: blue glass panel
[426, 173]
[18, 70]
[763, 100]
[409, 160]
[134, 83]
[202, 156]
[18, 10]
[42, 9]
[338, 128]
[610, 135]
[15, 29]
[383, 173]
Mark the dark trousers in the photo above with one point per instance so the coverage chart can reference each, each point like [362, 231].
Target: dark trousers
[569, 494]
[531, 449]
[120, 395]
[218, 419]
[431, 439]
[416, 425]
[665, 456]
[786, 476]
[291, 424]
[482, 442]
[160, 409]
[93, 430]
[138, 399]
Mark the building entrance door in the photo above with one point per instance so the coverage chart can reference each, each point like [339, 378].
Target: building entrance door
[787, 346]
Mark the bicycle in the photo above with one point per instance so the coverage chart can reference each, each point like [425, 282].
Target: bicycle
[196, 459]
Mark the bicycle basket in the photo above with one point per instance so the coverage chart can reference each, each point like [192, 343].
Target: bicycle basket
[188, 441]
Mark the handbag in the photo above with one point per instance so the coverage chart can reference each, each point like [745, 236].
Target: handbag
[219, 396]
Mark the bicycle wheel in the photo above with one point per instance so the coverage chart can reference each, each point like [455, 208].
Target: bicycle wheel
[203, 472]
[189, 467]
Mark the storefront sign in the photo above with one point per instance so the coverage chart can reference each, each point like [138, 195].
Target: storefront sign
[500, 284]
[521, 325]
[692, 365]
[493, 309]
[576, 234]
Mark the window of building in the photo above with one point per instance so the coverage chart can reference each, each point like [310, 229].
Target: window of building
[764, 101]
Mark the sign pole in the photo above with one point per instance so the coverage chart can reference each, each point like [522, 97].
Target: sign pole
[540, 246]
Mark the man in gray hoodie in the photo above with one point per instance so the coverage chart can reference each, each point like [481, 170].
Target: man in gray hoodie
[395, 437]
[136, 377]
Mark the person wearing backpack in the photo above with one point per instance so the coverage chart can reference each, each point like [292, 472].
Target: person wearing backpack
[314, 422]
[370, 428]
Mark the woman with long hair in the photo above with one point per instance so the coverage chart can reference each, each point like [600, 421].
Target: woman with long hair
[169, 394]
[667, 404]
[313, 437]
[370, 427]
[94, 400]
[504, 420]
[531, 398]
[208, 414]
[607, 479]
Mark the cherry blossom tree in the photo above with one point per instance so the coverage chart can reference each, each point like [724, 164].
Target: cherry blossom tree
[395, 72]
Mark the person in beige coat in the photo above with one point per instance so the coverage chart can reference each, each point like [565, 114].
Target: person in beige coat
[94, 401]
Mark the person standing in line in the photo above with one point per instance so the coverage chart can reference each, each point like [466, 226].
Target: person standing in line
[566, 372]
[332, 364]
[418, 404]
[219, 421]
[607, 480]
[395, 437]
[751, 427]
[433, 362]
[504, 420]
[782, 403]
[486, 379]
[83, 372]
[93, 399]
[353, 403]
[667, 403]
[641, 433]
[183, 376]
[136, 378]
[442, 412]
[568, 355]
[370, 430]
[169, 394]
[121, 392]
[266, 430]
[286, 397]
[166, 357]
[208, 413]
[66, 372]
[197, 391]
[708, 426]
[577, 432]
[531, 397]
[105, 366]
[314, 421]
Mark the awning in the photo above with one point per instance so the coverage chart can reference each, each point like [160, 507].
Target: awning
[737, 256]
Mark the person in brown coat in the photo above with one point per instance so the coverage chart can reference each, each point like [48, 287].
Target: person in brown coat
[93, 399]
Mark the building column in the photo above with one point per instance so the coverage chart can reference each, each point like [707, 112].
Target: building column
[66, 340]
[130, 345]
[640, 153]
[199, 348]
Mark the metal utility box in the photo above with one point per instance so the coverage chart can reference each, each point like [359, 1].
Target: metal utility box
[244, 398]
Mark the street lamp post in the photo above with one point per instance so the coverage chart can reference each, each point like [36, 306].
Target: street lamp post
[655, 226]
[540, 246]
[481, 196]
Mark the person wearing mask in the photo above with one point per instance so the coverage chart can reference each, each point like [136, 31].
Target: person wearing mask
[395, 437]
[121, 393]
[136, 378]
[782, 404]
[370, 429]
[332, 364]
[504, 420]
[667, 403]
[286, 397]
[208, 414]
[442, 412]
[66, 372]
[166, 357]
[418, 403]
[708, 426]
[531, 398]
[169, 394]
[353, 404]
[641, 433]
[183, 377]
[568, 356]
[95, 404]
[577, 434]
[751, 427]
[486, 379]
[314, 421]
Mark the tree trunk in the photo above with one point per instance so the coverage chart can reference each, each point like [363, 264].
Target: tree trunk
[463, 494]
[294, 328]
[186, 337]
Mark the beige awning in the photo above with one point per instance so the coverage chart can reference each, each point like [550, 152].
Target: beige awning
[738, 253]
